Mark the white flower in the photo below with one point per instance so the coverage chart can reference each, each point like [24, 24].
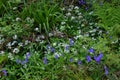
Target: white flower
[36, 29]
[76, 11]
[15, 37]
[100, 32]
[77, 37]
[27, 42]
[84, 47]
[76, 59]
[63, 9]
[15, 50]
[93, 38]
[68, 14]
[2, 52]
[80, 17]
[9, 44]
[64, 68]
[42, 41]
[96, 24]
[28, 18]
[62, 28]
[18, 19]
[69, 9]
[62, 23]
[42, 36]
[79, 14]
[54, 44]
[20, 44]
[82, 25]
[90, 23]
[13, 43]
[86, 34]
[94, 30]
[93, 34]
[91, 13]
[14, 8]
[79, 31]
[37, 39]
[50, 34]
[10, 56]
[72, 18]
[1, 40]
[76, 7]
[71, 6]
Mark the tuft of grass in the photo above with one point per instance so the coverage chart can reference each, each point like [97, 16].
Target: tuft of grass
[46, 15]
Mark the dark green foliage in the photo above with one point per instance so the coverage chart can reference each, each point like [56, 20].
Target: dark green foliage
[98, 29]
[108, 14]
[46, 16]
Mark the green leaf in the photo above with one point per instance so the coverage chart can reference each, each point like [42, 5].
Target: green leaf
[3, 58]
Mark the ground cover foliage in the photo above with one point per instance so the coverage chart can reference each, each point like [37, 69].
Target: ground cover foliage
[59, 40]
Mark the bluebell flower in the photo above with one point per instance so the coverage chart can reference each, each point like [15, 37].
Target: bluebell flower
[48, 47]
[106, 70]
[23, 62]
[71, 42]
[18, 61]
[81, 2]
[26, 60]
[110, 37]
[66, 47]
[86, 8]
[56, 56]
[107, 32]
[98, 58]
[45, 60]
[79, 62]
[88, 58]
[27, 56]
[71, 59]
[91, 50]
[52, 49]
[4, 72]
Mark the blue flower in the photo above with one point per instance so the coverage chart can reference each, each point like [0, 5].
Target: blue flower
[18, 61]
[48, 47]
[106, 70]
[66, 47]
[71, 59]
[71, 42]
[45, 60]
[27, 56]
[26, 59]
[86, 8]
[56, 56]
[88, 58]
[23, 62]
[91, 50]
[98, 58]
[4, 72]
[81, 2]
[110, 37]
[79, 62]
[52, 49]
